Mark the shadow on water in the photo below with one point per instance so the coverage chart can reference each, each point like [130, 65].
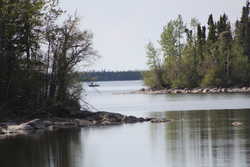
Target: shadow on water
[50, 149]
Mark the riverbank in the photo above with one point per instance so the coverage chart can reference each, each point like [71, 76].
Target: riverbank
[78, 120]
[193, 91]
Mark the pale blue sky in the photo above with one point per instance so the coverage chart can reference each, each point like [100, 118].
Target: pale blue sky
[122, 28]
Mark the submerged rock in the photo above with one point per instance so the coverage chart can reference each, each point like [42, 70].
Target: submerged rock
[159, 120]
[237, 123]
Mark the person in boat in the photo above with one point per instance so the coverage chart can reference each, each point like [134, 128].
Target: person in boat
[92, 84]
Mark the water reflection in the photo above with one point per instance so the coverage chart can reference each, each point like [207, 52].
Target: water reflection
[57, 149]
[206, 138]
[192, 139]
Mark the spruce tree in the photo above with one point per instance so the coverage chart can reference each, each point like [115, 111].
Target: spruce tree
[212, 29]
[243, 30]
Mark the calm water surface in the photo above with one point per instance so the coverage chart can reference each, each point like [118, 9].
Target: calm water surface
[200, 135]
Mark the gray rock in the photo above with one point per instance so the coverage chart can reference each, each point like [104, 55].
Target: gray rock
[105, 123]
[84, 123]
[2, 131]
[205, 91]
[131, 119]
[236, 90]
[142, 119]
[37, 124]
[64, 125]
[177, 91]
[47, 123]
[143, 89]
[112, 117]
[196, 91]
[19, 129]
[160, 120]
[33, 124]
[214, 90]
[244, 89]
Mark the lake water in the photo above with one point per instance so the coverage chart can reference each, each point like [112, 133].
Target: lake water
[200, 135]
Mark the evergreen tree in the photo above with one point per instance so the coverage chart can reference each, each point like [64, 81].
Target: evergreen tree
[212, 29]
[220, 59]
[223, 24]
[244, 30]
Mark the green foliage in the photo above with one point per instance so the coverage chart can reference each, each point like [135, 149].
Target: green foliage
[154, 61]
[150, 79]
[212, 29]
[171, 37]
[38, 56]
[155, 76]
[243, 30]
[240, 66]
[220, 59]
[211, 78]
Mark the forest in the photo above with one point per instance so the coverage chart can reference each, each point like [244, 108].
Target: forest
[111, 75]
[195, 55]
[39, 57]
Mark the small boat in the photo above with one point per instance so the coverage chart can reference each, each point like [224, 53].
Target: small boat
[92, 84]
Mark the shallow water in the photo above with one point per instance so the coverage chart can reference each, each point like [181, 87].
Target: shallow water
[196, 137]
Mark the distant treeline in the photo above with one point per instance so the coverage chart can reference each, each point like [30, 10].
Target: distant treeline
[196, 55]
[111, 76]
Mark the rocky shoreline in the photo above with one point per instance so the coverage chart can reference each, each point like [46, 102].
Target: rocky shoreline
[81, 119]
[193, 91]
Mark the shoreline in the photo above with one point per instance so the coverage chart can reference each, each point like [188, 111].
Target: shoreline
[192, 91]
[79, 120]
